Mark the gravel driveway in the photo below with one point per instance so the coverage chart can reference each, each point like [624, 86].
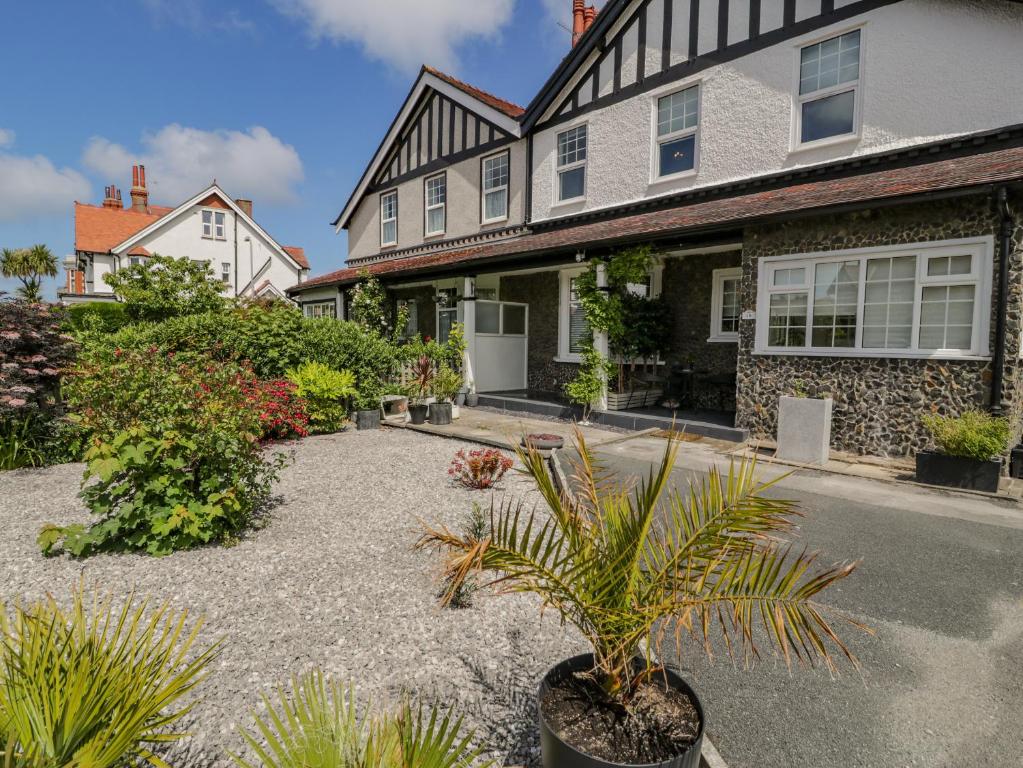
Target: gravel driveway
[331, 583]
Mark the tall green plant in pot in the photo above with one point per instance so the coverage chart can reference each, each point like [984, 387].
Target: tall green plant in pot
[420, 386]
[639, 571]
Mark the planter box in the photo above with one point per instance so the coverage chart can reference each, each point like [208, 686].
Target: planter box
[367, 419]
[395, 407]
[621, 401]
[804, 429]
[936, 468]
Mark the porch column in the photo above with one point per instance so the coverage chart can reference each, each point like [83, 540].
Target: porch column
[469, 330]
[600, 341]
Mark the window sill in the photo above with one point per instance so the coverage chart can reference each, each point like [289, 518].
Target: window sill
[570, 202]
[491, 222]
[682, 176]
[432, 236]
[568, 359]
[831, 141]
[722, 339]
[896, 355]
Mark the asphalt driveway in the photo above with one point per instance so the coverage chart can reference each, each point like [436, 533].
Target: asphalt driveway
[941, 584]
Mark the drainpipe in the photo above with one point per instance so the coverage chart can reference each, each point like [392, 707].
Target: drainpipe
[236, 255]
[1004, 248]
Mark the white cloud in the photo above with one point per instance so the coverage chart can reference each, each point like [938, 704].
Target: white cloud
[181, 161]
[33, 186]
[403, 33]
[6, 138]
[197, 16]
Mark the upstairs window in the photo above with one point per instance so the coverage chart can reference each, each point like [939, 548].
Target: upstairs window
[213, 225]
[436, 204]
[389, 218]
[495, 188]
[829, 84]
[678, 120]
[572, 164]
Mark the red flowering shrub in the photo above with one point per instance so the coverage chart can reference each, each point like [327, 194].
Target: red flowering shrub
[282, 412]
[479, 469]
[33, 352]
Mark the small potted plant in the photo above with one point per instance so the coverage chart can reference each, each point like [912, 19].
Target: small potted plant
[367, 411]
[715, 564]
[420, 387]
[446, 383]
[969, 451]
[472, 398]
[804, 427]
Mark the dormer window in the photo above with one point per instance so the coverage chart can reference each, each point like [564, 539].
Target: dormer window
[572, 164]
[829, 85]
[214, 225]
[678, 120]
[389, 218]
[436, 205]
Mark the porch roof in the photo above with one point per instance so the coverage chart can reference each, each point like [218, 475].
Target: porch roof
[710, 210]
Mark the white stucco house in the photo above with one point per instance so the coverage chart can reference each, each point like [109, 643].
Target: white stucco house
[210, 227]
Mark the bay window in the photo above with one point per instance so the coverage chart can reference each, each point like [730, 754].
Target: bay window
[915, 301]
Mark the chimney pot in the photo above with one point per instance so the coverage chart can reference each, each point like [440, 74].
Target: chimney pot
[589, 17]
[578, 20]
[134, 175]
[139, 193]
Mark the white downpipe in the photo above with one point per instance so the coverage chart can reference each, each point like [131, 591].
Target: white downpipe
[600, 342]
[469, 331]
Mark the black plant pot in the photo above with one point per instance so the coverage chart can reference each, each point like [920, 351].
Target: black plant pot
[369, 419]
[440, 414]
[472, 399]
[557, 753]
[936, 468]
[417, 413]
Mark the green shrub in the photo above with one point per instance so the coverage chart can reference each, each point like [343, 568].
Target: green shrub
[316, 724]
[175, 460]
[327, 394]
[100, 316]
[974, 435]
[446, 383]
[347, 346]
[162, 287]
[98, 688]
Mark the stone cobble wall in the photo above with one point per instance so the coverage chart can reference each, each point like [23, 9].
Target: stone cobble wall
[878, 401]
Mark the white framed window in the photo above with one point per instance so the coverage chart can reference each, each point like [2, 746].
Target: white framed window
[500, 318]
[571, 164]
[436, 194]
[496, 174]
[214, 225]
[676, 133]
[573, 330]
[828, 89]
[389, 218]
[225, 272]
[725, 304]
[134, 261]
[924, 300]
[320, 309]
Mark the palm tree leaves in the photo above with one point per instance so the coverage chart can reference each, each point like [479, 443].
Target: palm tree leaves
[628, 561]
[29, 265]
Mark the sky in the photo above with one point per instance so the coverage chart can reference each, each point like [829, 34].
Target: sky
[280, 101]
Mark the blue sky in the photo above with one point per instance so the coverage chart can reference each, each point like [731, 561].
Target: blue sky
[282, 101]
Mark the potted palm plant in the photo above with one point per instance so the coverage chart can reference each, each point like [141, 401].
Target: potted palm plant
[969, 451]
[643, 567]
[419, 389]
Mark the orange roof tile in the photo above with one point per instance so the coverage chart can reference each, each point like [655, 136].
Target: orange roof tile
[507, 107]
[98, 229]
[138, 250]
[298, 254]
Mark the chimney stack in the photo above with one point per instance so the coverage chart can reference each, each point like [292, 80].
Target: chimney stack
[589, 17]
[245, 205]
[578, 20]
[139, 193]
[112, 197]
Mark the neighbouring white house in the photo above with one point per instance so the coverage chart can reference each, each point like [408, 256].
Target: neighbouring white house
[210, 227]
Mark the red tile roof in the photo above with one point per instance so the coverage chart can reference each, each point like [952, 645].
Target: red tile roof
[298, 254]
[955, 173]
[138, 250]
[507, 107]
[98, 229]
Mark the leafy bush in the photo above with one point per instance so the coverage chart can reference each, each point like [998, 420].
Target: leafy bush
[162, 287]
[974, 435]
[94, 686]
[100, 316]
[446, 383]
[327, 394]
[316, 724]
[588, 385]
[459, 593]
[33, 353]
[175, 456]
[479, 469]
[349, 347]
[282, 413]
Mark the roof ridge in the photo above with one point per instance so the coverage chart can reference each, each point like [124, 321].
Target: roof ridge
[508, 107]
